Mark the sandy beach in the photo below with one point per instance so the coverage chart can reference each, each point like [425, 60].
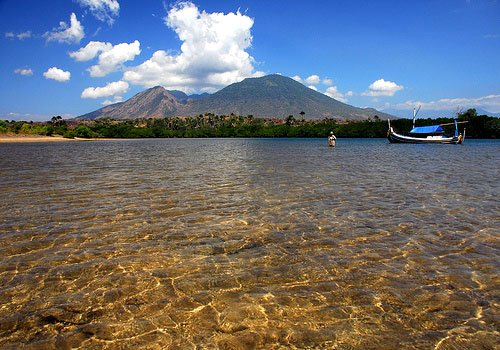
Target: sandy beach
[31, 138]
[4, 138]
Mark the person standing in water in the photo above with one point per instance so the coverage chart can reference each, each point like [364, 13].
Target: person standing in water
[331, 139]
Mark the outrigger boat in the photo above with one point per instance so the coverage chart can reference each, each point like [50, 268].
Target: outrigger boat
[426, 134]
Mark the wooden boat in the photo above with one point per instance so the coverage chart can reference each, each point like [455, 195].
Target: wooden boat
[426, 134]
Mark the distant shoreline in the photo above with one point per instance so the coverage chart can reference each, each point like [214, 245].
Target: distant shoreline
[25, 138]
[31, 138]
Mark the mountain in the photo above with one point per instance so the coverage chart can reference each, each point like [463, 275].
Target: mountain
[151, 103]
[278, 96]
[273, 96]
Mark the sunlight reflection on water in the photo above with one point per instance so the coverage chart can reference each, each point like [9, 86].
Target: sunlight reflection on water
[249, 243]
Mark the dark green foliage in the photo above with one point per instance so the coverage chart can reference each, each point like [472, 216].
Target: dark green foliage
[212, 125]
[4, 124]
[83, 131]
[480, 126]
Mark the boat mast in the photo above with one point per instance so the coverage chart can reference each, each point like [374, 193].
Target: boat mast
[415, 114]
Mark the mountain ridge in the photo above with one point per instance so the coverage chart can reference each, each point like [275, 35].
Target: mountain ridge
[271, 96]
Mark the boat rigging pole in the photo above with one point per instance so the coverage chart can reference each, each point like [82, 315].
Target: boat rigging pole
[415, 114]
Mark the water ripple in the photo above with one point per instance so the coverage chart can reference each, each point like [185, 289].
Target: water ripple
[243, 243]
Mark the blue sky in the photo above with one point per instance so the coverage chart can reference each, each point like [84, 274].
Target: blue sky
[70, 57]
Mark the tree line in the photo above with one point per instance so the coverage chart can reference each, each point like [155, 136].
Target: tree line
[211, 125]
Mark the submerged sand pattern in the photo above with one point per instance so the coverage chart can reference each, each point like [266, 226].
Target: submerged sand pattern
[241, 244]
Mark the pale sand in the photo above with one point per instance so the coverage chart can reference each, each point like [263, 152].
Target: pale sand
[4, 138]
[31, 138]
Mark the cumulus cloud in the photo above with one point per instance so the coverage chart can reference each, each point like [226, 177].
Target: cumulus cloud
[24, 71]
[490, 103]
[103, 10]
[313, 79]
[116, 99]
[110, 58]
[57, 74]
[20, 36]
[90, 51]
[313, 87]
[73, 33]
[382, 88]
[333, 92]
[212, 55]
[111, 89]
[328, 81]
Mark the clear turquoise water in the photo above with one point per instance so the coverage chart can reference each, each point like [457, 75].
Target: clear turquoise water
[249, 243]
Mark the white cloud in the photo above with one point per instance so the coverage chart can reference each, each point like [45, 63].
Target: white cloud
[66, 34]
[24, 35]
[24, 71]
[111, 89]
[327, 81]
[333, 92]
[382, 88]
[57, 74]
[490, 103]
[90, 51]
[313, 79]
[103, 10]
[112, 58]
[116, 99]
[20, 36]
[212, 54]
[313, 87]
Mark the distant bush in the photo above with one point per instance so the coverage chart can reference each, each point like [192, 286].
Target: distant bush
[83, 131]
[3, 126]
[211, 125]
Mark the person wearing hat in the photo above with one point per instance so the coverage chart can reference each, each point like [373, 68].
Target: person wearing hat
[331, 139]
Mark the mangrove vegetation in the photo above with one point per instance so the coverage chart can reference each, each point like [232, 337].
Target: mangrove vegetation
[211, 125]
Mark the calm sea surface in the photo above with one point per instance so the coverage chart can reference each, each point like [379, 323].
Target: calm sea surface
[249, 243]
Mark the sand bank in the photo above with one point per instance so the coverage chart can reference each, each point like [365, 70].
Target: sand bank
[31, 138]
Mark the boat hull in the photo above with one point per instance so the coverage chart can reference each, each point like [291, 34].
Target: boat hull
[394, 137]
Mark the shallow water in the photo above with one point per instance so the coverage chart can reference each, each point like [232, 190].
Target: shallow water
[249, 243]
